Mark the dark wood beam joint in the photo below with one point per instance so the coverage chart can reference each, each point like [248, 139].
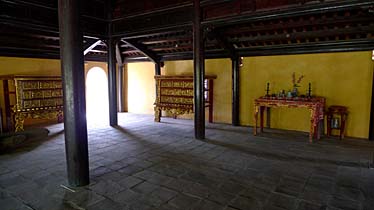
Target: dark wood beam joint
[143, 49]
[224, 43]
[90, 45]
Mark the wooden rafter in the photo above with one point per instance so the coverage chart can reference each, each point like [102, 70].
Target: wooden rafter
[90, 45]
[142, 48]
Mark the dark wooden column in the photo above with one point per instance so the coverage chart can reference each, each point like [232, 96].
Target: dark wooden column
[198, 57]
[235, 90]
[72, 65]
[371, 125]
[120, 66]
[158, 68]
[112, 82]
[120, 88]
[112, 74]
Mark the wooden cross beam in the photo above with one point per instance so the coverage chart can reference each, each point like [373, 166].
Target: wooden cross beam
[90, 45]
[143, 49]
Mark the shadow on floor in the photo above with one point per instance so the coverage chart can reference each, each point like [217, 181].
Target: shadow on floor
[25, 140]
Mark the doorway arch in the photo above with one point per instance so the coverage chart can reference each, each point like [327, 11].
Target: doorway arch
[97, 95]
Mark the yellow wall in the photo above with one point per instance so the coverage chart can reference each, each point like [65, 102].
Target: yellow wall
[343, 78]
[222, 85]
[37, 67]
[29, 66]
[141, 87]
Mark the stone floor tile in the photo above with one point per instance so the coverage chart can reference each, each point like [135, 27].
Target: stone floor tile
[145, 187]
[341, 203]
[11, 204]
[221, 197]
[290, 186]
[105, 204]
[348, 193]
[83, 198]
[126, 197]
[321, 183]
[106, 188]
[208, 205]
[303, 205]
[146, 165]
[246, 203]
[185, 202]
[129, 182]
[314, 196]
[281, 201]
[130, 170]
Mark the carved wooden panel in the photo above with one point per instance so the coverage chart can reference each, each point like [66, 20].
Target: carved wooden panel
[175, 95]
[38, 97]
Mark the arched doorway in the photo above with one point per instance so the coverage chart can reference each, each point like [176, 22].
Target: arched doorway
[97, 96]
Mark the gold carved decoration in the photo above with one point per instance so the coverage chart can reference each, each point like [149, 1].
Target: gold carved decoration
[175, 95]
[173, 111]
[19, 117]
[38, 97]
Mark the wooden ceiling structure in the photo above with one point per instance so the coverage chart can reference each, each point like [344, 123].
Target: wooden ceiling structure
[162, 30]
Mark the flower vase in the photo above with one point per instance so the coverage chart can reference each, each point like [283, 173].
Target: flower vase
[294, 92]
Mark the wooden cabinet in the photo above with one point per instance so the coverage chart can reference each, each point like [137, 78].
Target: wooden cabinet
[174, 94]
[39, 97]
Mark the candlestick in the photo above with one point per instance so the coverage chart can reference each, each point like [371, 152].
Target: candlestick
[310, 90]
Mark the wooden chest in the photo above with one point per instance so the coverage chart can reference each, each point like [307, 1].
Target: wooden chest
[39, 97]
[175, 95]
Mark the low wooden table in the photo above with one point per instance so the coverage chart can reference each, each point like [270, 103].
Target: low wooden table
[316, 105]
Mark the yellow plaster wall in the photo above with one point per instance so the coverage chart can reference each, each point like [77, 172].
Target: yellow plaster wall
[29, 66]
[222, 85]
[141, 87]
[34, 66]
[343, 78]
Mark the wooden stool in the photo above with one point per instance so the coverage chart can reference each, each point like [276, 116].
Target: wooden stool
[341, 111]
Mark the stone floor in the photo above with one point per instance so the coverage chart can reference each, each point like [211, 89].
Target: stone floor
[145, 165]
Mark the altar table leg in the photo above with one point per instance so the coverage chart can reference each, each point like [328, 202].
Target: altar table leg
[255, 119]
[311, 132]
[262, 118]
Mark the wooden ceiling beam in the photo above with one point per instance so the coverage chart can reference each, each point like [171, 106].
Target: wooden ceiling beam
[90, 45]
[224, 43]
[296, 24]
[142, 48]
[167, 39]
[324, 47]
[307, 9]
[305, 35]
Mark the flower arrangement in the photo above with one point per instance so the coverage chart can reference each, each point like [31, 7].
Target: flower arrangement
[296, 83]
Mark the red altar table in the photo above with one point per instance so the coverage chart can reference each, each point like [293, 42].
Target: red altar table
[316, 105]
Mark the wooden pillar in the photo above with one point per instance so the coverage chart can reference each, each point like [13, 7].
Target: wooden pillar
[371, 125]
[158, 68]
[112, 82]
[72, 65]
[120, 66]
[112, 74]
[157, 73]
[198, 57]
[120, 88]
[235, 90]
